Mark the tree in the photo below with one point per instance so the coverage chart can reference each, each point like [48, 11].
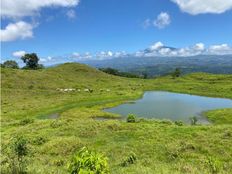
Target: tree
[176, 73]
[193, 120]
[31, 61]
[145, 75]
[10, 64]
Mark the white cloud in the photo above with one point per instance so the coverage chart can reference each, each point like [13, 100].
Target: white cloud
[46, 59]
[71, 14]
[195, 7]
[87, 55]
[156, 45]
[75, 55]
[162, 20]
[220, 49]
[49, 58]
[18, 9]
[199, 47]
[159, 49]
[19, 53]
[104, 55]
[43, 60]
[18, 30]
[22, 8]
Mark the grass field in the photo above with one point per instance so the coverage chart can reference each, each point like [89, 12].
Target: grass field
[161, 146]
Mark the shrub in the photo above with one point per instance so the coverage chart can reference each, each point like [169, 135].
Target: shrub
[16, 157]
[176, 73]
[179, 123]
[193, 120]
[166, 121]
[10, 64]
[131, 118]
[86, 161]
[131, 159]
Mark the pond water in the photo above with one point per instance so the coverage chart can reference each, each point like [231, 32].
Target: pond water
[173, 106]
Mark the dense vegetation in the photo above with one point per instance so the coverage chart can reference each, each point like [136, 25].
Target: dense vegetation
[159, 66]
[118, 73]
[52, 124]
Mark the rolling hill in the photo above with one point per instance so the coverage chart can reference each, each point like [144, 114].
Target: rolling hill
[31, 98]
[158, 66]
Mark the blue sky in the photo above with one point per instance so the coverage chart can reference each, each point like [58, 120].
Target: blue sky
[87, 28]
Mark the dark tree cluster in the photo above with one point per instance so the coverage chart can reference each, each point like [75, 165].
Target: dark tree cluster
[176, 73]
[10, 64]
[118, 73]
[31, 61]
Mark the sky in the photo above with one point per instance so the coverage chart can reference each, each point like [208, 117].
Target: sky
[66, 30]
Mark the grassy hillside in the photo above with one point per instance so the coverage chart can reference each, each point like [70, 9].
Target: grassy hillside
[160, 146]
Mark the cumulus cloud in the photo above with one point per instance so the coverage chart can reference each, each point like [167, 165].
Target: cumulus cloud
[199, 47]
[220, 49]
[156, 45]
[104, 55]
[22, 8]
[159, 49]
[18, 30]
[195, 7]
[16, 10]
[19, 53]
[71, 14]
[162, 20]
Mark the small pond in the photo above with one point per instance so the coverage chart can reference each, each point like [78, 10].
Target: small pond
[173, 106]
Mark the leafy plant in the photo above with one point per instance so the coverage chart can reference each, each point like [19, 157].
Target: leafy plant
[131, 118]
[88, 162]
[16, 156]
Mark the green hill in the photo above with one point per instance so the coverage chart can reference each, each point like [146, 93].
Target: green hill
[57, 123]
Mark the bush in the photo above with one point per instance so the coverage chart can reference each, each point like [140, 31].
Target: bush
[176, 73]
[166, 121]
[193, 120]
[131, 118]
[86, 161]
[16, 156]
[179, 123]
[131, 159]
[10, 64]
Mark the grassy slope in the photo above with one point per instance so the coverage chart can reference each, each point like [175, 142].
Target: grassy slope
[161, 147]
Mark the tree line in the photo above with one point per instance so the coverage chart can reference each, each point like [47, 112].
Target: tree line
[122, 74]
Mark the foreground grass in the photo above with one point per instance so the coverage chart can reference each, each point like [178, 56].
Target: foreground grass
[160, 146]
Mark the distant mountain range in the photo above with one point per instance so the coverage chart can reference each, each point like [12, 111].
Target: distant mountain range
[157, 66]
